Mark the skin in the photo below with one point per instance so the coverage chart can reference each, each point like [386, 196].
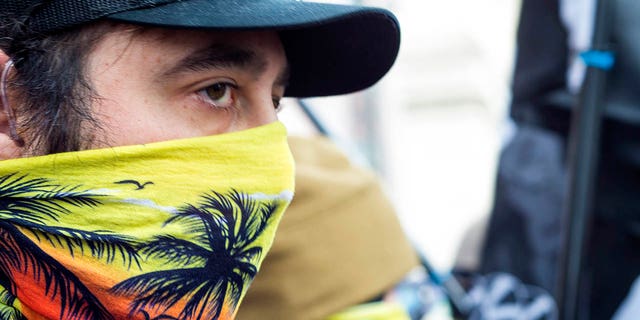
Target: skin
[165, 84]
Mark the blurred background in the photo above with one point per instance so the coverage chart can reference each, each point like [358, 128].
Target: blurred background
[560, 212]
[433, 127]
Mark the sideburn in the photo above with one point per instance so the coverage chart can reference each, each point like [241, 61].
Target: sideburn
[56, 114]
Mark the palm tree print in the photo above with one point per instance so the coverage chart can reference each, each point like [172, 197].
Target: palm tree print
[7, 311]
[32, 204]
[221, 254]
[160, 317]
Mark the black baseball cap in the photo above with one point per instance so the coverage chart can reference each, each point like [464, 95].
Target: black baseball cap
[332, 49]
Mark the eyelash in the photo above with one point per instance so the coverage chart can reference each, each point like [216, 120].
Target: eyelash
[206, 98]
[277, 103]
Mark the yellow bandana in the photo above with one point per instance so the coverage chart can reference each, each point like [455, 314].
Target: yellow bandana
[169, 230]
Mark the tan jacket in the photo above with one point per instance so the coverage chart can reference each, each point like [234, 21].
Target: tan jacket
[339, 244]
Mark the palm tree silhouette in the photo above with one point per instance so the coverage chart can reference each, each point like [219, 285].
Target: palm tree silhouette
[7, 311]
[161, 317]
[221, 253]
[32, 204]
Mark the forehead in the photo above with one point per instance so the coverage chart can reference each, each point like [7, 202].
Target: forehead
[161, 46]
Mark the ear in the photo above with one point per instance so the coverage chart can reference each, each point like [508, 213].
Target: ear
[10, 147]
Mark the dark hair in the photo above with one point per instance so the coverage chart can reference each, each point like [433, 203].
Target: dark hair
[53, 96]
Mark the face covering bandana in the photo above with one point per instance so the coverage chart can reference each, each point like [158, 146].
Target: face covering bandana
[168, 230]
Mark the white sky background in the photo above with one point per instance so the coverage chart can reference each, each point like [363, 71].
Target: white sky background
[438, 118]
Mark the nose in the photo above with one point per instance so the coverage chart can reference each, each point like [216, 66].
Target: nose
[261, 112]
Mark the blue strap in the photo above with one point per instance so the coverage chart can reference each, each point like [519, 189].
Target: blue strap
[598, 59]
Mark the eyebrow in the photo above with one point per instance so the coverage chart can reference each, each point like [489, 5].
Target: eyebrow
[219, 56]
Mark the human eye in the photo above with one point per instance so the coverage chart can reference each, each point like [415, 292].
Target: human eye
[219, 95]
[276, 103]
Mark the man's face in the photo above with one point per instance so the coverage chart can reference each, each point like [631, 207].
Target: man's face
[164, 84]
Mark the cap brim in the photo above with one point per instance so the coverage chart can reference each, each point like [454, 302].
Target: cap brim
[332, 49]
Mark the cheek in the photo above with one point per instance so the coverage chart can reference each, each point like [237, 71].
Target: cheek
[124, 124]
[128, 113]
[137, 119]
[202, 118]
